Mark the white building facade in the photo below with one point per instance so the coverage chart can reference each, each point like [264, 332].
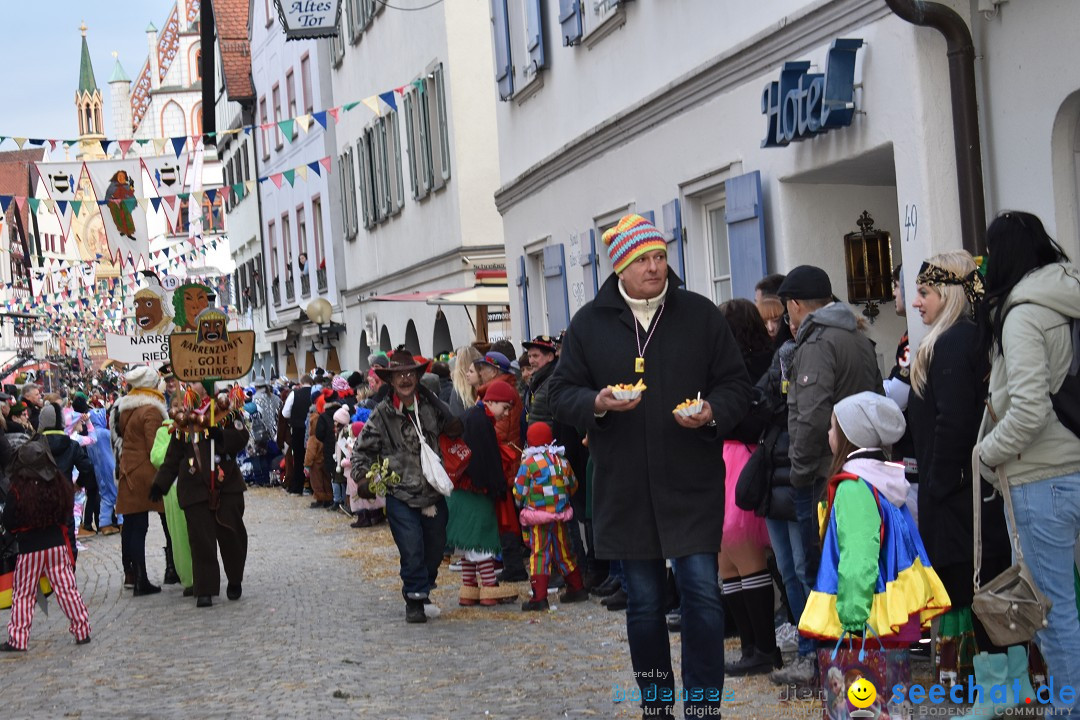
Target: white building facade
[657, 109]
[418, 179]
[292, 81]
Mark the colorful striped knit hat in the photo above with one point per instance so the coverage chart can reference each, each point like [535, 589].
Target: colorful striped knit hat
[632, 237]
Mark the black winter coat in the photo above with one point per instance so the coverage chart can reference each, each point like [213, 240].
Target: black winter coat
[659, 487]
[69, 456]
[944, 426]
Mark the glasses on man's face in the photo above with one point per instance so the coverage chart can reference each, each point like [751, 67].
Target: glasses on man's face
[786, 318]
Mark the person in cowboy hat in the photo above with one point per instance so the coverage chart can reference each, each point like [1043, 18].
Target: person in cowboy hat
[541, 351]
[416, 511]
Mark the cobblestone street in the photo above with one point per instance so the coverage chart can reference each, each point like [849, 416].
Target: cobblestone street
[320, 632]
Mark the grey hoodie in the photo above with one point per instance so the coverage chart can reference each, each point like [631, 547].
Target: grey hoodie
[1026, 439]
[832, 361]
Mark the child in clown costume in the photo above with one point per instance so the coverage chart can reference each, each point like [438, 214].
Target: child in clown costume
[874, 571]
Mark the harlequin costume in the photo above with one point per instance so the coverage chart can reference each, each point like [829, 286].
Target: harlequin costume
[542, 488]
[874, 569]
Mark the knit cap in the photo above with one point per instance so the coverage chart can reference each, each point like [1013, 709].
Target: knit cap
[339, 383]
[499, 391]
[50, 418]
[539, 433]
[632, 237]
[870, 420]
[341, 415]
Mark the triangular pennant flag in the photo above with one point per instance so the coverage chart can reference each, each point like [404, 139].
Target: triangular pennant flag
[314, 167]
[335, 113]
[20, 141]
[238, 190]
[248, 129]
[5, 200]
[286, 128]
[76, 205]
[143, 202]
[125, 145]
[302, 172]
[211, 193]
[50, 205]
[290, 175]
[38, 142]
[401, 90]
[178, 145]
[159, 145]
[372, 103]
[276, 179]
[325, 162]
[155, 202]
[143, 141]
[304, 121]
[34, 203]
[419, 85]
[52, 144]
[320, 117]
[388, 98]
[62, 206]
[249, 185]
[104, 145]
[130, 204]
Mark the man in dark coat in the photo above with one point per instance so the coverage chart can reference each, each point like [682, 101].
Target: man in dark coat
[659, 477]
[295, 411]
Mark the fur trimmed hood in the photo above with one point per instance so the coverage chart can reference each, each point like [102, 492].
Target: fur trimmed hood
[132, 401]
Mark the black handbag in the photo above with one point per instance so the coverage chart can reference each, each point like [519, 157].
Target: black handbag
[753, 490]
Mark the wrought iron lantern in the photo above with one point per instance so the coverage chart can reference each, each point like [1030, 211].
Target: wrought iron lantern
[868, 263]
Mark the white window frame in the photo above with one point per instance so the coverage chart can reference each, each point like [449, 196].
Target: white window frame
[600, 18]
[713, 202]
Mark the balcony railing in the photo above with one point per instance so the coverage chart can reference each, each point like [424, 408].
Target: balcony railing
[320, 276]
[275, 289]
[290, 291]
[305, 285]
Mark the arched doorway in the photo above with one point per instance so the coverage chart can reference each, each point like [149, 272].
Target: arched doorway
[384, 340]
[1065, 163]
[412, 340]
[441, 342]
[365, 350]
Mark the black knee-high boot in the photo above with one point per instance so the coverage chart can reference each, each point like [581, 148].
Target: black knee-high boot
[171, 577]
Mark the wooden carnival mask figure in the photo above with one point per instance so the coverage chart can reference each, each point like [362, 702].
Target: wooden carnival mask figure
[212, 326]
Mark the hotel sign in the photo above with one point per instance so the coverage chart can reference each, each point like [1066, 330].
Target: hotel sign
[803, 104]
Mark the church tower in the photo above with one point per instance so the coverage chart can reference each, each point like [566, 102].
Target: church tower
[88, 106]
[120, 96]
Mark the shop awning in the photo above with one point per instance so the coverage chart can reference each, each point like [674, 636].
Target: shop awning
[417, 296]
[481, 295]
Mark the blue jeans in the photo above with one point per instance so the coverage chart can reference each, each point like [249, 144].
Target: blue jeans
[806, 500]
[420, 541]
[339, 493]
[702, 631]
[1048, 521]
[787, 546]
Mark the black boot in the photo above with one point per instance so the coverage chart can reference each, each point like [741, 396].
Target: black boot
[414, 611]
[733, 595]
[142, 583]
[171, 578]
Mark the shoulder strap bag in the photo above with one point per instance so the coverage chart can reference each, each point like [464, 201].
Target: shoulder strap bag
[1011, 607]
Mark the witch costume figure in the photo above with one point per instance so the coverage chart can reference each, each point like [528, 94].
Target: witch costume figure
[208, 434]
[121, 188]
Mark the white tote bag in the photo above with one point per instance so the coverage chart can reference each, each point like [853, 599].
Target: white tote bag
[430, 462]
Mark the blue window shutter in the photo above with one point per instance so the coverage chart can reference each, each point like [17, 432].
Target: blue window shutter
[673, 232]
[523, 290]
[500, 28]
[558, 301]
[589, 263]
[570, 21]
[648, 215]
[745, 220]
[534, 33]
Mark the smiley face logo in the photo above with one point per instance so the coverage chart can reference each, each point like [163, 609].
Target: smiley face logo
[862, 693]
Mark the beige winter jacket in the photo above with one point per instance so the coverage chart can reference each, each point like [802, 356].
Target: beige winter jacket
[1027, 439]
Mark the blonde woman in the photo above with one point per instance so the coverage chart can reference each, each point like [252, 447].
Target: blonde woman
[464, 379]
[948, 383]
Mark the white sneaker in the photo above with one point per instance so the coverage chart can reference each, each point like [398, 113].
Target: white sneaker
[801, 671]
[787, 638]
[432, 610]
[454, 566]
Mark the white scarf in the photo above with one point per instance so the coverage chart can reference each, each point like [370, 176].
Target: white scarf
[644, 309]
